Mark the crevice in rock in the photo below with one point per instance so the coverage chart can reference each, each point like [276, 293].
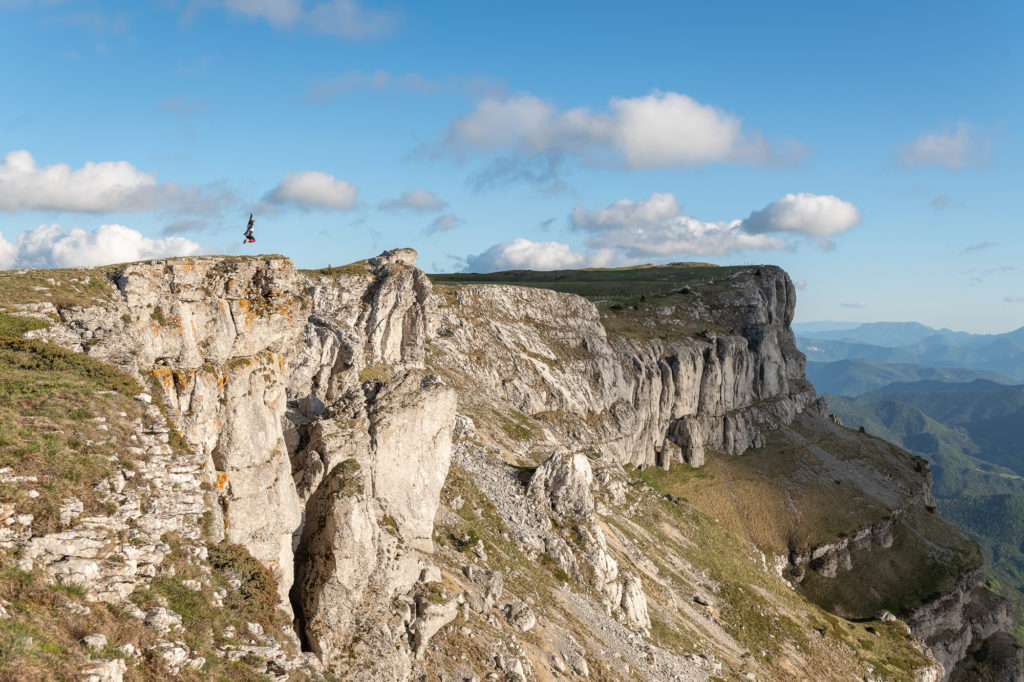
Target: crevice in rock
[295, 597]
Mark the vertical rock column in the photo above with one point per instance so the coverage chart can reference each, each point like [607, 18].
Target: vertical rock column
[214, 333]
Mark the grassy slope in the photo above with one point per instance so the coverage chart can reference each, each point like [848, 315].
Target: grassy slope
[984, 498]
[782, 496]
[62, 415]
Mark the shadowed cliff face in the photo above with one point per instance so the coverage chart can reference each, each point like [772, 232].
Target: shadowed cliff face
[323, 408]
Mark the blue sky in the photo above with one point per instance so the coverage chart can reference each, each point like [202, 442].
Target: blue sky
[872, 150]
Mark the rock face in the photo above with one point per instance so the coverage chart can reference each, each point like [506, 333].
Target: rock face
[320, 408]
[549, 352]
[968, 614]
[303, 399]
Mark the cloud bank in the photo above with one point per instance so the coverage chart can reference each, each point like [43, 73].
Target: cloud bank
[659, 130]
[104, 187]
[963, 147]
[55, 246]
[628, 231]
[310, 190]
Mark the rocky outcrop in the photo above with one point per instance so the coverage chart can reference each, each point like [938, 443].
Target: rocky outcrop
[548, 352]
[319, 411]
[211, 334]
[967, 614]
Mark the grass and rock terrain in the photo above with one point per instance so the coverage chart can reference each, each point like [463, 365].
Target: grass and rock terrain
[559, 551]
[969, 432]
[78, 451]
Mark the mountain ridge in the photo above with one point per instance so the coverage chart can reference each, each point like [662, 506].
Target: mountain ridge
[462, 478]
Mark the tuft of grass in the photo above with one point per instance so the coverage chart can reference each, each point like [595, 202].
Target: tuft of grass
[516, 425]
[16, 325]
[377, 371]
[258, 591]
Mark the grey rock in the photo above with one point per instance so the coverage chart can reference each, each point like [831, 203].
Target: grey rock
[109, 670]
[96, 642]
[520, 616]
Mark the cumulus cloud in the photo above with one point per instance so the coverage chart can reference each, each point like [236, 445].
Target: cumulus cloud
[801, 284]
[662, 129]
[814, 216]
[339, 18]
[309, 190]
[1014, 299]
[55, 246]
[961, 147]
[658, 227]
[628, 231]
[443, 223]
[102, 187]
[418, 200]
[523, 254]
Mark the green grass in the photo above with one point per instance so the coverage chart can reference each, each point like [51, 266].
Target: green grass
[48, 397]
[927, 556]
[643, 303]
[602, 283]
[753, 607]
[516, 425]
[16, 325]
[360, 268]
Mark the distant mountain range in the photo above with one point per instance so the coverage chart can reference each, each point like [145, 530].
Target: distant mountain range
[955, 398]
[854, 376]
[917, 344]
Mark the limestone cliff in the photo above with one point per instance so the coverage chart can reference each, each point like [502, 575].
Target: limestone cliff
[454, 481]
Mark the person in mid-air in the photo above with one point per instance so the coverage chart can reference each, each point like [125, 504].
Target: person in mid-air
[249, 238]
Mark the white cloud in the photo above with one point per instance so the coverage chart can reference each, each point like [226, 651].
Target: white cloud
[309, 190]
[55, 246]
[801, 284]
[443, 223]
[102, 187]
[523, 254]
[97, 187]
[339, 18]
[663, 129]
[965, 146]
[418, 200]
[854, 305]
[815, 216]
[1014, 299]
[658, 227]
[627, 232]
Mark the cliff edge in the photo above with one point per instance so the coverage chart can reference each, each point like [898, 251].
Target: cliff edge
[464, 479]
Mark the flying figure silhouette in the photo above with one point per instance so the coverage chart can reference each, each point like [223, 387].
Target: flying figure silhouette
[249, 238]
